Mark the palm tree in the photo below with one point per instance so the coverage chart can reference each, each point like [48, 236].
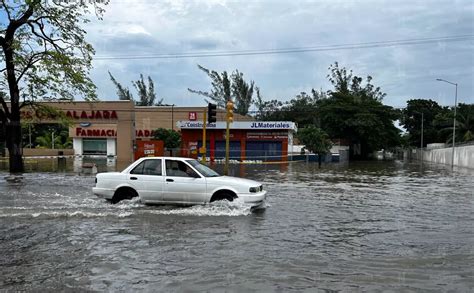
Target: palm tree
[464, 125]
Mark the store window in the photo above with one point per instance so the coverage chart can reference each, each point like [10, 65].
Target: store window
[95, 146]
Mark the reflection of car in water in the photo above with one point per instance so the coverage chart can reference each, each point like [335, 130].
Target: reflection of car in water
[162, 180]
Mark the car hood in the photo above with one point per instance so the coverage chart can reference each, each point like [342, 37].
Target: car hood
[229, 180]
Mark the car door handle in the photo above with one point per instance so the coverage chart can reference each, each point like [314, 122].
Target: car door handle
[169, 180]
[133, 178]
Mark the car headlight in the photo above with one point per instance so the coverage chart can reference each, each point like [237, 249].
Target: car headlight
[256, 189]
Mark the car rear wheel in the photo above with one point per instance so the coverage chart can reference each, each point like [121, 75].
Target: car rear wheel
[123, 193]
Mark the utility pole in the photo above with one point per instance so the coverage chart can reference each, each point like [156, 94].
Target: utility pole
[454, 120]
[203, 150]
[229, 119]
[421, 147]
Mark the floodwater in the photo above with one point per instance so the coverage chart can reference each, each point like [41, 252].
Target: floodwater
[378, 226]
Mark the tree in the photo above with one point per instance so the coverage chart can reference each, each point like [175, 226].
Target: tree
[43, 49]
[300, 109]
[266, 109]
[221, 89]
[315, 140]
[171, 138]
[40, 135]
[146, 94]
[242, 92]
[60, 136]
[123, 93]
[434, 119]
[355, 112]
[225, 88]
[464, 124]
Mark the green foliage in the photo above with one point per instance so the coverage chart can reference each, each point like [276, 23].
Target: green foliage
[434, 117]
[345, 82]
[225, 88]
[44, 53]
[464, 124]
[123, 93]
[171, 138]
[300, 109]
[355, 112]
[242, 92]
[47, 49]
[146, 93]
[314, 139]
[221, 88]
[352, 111]
[42, 135]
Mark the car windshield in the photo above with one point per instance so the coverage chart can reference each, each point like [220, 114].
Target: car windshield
[204, 170]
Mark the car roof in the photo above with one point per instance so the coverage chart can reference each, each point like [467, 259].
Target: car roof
[173, 158]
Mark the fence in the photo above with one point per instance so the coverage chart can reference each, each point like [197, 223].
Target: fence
[256, 156]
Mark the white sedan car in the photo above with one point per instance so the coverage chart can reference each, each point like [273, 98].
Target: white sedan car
[171, 180]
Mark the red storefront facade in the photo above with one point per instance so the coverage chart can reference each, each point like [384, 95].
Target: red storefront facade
[249, 141]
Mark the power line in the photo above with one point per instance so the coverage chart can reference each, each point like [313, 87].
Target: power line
[319, 48]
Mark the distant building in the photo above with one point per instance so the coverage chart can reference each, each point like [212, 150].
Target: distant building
[112, 128]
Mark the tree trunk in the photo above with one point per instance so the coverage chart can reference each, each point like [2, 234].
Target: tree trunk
[14, 146]
[319, 160]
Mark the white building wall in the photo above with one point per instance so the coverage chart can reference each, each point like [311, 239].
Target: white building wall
[77, 146]
[111, 147]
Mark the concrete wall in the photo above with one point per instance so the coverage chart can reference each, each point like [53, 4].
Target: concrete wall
[46, 152]
[463, 156]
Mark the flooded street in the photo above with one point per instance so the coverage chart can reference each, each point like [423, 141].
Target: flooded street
[364, 226]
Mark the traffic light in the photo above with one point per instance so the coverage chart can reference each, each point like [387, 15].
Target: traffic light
[211, 113]
[230, 111]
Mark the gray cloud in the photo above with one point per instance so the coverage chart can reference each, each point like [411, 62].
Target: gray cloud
[403, 72]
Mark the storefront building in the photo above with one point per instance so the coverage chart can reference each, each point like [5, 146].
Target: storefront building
[248, 140]
[115, 128]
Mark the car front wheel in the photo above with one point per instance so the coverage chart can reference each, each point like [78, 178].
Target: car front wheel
[223, 195]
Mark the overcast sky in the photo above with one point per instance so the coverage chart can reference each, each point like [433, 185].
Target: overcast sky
[140, 27]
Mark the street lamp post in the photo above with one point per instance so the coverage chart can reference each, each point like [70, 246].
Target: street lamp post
[422, 118]
[454, 120]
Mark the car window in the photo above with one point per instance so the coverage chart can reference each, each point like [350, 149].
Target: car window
[204, 170]
[179, 169]
[148, 167]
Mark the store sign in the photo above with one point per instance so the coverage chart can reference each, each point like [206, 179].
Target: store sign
[267, 125]
[96, 132]
[81, 132]
[98, 114]
[271, 125]
[144, 133]
[266, 136]
[149, 149]
[192, 116]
